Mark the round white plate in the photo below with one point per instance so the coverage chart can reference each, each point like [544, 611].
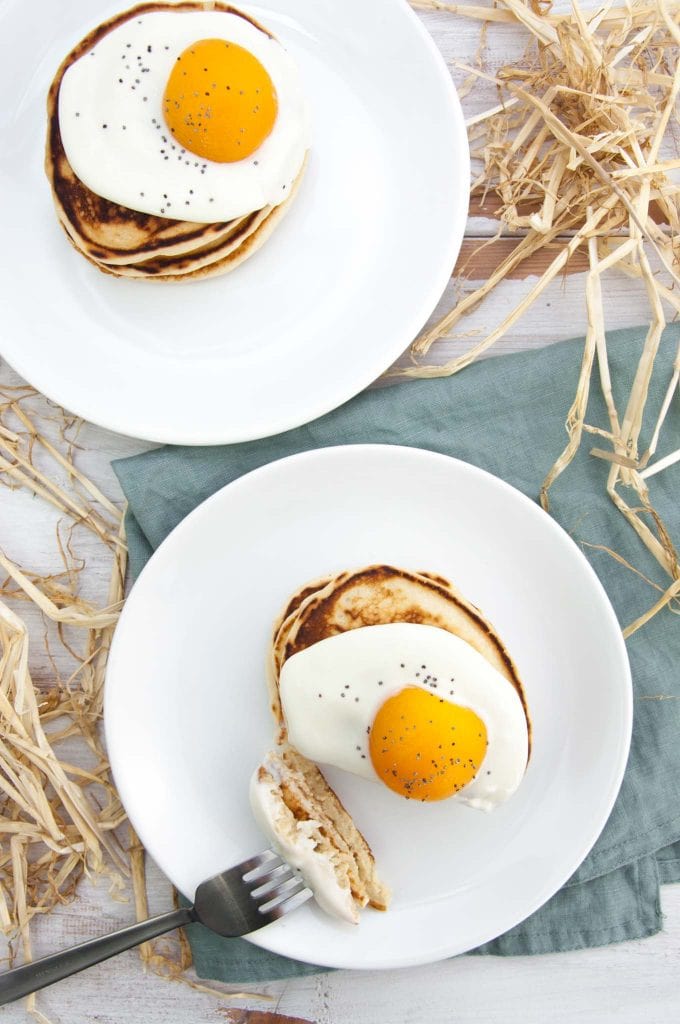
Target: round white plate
[187, 716]
[335, 295]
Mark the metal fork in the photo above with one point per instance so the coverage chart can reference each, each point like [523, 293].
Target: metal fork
[238, 901]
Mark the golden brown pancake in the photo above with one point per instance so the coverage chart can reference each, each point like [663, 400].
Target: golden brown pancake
[376, 595]
[210, 260]
[125, 242]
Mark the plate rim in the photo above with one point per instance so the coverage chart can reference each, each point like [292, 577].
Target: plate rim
[138, 425]
[411, 959]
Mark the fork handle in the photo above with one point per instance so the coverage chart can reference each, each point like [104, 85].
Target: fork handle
[33, 976]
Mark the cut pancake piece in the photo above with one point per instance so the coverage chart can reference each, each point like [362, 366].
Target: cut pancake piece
[307, 824]
[376, 595]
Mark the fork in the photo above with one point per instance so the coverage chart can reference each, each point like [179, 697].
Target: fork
[238, 901]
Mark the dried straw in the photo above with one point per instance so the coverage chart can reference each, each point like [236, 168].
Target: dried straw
[57, 820]
[572, 156]
[60, 820]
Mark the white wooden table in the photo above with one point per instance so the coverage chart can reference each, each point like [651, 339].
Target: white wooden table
[632, 982]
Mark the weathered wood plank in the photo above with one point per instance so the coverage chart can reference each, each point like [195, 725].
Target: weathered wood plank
[479, 257]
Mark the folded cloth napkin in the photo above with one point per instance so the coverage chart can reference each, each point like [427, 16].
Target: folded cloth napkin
[506, 415]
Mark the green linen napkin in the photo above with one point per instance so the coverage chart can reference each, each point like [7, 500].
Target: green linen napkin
[506, 415]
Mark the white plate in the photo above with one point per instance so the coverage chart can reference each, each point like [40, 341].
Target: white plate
[187, 714]
[336, 294]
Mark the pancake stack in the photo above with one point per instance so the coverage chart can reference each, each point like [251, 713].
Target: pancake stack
[374, 596]
[303, 807]
[126, 243]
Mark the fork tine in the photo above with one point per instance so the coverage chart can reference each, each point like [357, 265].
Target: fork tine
[274, 903]
[259, 865]
[269, 882]
[290, 889]
[292, 902]
[263, 877]
[277, 888]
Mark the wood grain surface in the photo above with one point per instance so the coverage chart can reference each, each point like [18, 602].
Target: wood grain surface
[631, 983]
[479, 256]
